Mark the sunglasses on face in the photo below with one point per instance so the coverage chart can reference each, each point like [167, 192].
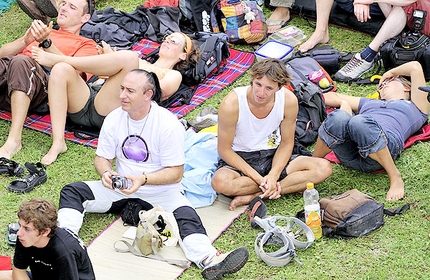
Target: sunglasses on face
[389, 80]
[174, 40]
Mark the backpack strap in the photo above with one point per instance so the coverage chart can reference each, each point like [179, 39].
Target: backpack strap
[397, 211]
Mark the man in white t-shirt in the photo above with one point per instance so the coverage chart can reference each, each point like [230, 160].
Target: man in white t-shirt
[147, 142]
[256, 127]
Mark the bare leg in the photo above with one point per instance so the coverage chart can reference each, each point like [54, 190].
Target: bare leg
[101, 65]
[19, 109]
[280, 13]
[230, 183]
[320, 35]
[303, 170]
[66, 90]
[321, 150]
[393, 25]
[397, 186]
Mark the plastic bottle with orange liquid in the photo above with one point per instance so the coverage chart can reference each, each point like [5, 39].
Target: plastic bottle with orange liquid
[312, 210]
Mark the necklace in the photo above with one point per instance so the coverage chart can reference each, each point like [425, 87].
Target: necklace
[143, 127]
[134, 146]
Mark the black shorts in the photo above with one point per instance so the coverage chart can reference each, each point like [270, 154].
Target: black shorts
[261, 161]
[88, 115]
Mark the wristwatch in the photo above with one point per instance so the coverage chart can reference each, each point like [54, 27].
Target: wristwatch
[45, 43]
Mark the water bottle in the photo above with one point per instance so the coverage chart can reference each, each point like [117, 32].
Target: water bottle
[312, 210]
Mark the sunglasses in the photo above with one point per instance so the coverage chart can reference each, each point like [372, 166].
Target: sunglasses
[172, 39]
[135, 148]
[389, 80]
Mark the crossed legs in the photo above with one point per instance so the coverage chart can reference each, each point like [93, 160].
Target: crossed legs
[300, 171]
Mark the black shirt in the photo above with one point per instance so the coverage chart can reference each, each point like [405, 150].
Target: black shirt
[65, 257]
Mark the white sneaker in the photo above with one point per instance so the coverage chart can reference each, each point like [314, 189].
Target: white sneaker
[227, 263]
[354, 69]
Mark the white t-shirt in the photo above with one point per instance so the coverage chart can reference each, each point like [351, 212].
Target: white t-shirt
[254, 134]
[163, 134]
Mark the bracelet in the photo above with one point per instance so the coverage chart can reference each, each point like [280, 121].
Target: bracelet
[146, 179]
[107, 170]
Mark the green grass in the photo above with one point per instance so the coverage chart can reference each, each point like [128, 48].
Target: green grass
[398, 250]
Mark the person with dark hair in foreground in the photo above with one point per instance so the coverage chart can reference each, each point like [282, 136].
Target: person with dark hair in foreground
[49, 251]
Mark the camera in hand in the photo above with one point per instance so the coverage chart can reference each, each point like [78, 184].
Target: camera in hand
[119, 182]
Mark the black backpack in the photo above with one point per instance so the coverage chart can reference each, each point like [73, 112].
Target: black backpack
[405, 47]
[312, 110]
[193, 19]
[214, 53]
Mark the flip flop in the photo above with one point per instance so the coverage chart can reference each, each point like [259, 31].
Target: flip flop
[256, 208]
[281, 22]
[37, 177]
[10, 167]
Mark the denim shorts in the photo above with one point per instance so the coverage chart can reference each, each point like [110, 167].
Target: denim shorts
[261, 161]
[353, 138]
[348, 5]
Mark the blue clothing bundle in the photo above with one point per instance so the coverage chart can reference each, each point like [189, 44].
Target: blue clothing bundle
[201, 159]
[5, 5]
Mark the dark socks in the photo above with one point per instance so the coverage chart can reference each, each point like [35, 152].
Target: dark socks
[368, 54]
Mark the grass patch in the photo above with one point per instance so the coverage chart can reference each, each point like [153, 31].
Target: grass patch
[398, 250]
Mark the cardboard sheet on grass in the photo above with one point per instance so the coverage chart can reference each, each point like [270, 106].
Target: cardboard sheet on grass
[237, 64]
[111, 265]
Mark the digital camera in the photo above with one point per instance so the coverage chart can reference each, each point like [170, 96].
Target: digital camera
[120, 182]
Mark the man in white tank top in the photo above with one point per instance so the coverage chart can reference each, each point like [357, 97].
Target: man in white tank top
[256, 126]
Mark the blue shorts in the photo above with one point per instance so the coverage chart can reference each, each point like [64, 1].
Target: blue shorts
[353, 138]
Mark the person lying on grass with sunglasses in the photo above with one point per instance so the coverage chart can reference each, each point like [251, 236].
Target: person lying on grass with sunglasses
[368, 134]
[87, 104]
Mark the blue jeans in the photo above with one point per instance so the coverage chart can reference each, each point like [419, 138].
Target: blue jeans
[348, 6]
[353, 138]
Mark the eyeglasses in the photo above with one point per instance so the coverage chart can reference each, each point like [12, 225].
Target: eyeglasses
[172, 39]
[135, 148]
[389, 80]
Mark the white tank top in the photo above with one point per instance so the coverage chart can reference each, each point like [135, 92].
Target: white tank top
[254, 134]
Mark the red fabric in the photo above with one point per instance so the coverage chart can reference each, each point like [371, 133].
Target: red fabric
[156, 3]
[5, 263]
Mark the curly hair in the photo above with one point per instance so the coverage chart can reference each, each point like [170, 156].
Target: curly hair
[41, 212]
[273, 68]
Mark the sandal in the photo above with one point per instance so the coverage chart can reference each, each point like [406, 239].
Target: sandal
[257, 208]
[37, 177]
[11, 233]
[10, 167]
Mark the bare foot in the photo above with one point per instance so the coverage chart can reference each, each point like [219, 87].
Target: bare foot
[241, 200]
[53, 153]
[396, 191]
[315, 39]
[45, 58]
[9, 149]
[280, 13]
